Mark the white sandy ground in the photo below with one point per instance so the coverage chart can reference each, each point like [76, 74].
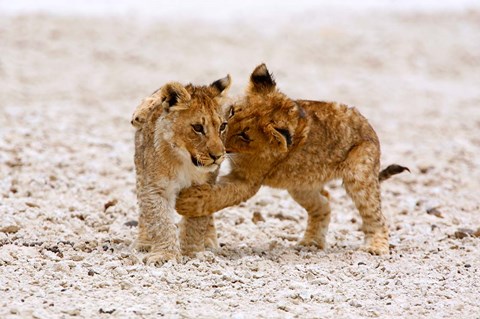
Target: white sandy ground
[67, 89]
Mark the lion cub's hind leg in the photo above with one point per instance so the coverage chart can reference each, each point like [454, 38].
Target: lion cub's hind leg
[317, 205]
[362, 185]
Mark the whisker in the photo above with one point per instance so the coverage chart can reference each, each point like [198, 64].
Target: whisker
[231, 158]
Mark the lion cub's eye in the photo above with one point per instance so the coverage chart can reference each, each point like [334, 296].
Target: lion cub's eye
[198, 128]
[223, 126]
[244, 137]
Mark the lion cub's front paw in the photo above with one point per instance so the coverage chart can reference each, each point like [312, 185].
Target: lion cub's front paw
[211, 243]
[143, 243]
[158, 258]
[191, 201]
[143, 247]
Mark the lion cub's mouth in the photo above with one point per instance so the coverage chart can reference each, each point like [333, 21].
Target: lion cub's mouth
[198, 163]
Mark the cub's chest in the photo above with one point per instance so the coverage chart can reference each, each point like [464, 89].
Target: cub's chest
[188, 175]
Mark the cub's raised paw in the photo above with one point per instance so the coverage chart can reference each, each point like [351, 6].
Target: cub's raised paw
[139, 116]
[191, 201]
[159, 258]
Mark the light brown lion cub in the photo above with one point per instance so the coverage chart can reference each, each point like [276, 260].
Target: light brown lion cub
[178, 143]
[299, 146]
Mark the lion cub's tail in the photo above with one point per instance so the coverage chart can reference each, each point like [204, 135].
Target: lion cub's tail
[391, 170]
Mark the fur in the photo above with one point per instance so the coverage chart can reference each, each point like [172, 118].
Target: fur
[298, 145]
[170, 154]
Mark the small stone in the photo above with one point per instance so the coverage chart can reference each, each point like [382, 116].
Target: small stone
[463, 232]
[10, 229]
[121, 271]
[282, 305]
[424, 168]
[61, 267]
[110, 203]
[355, 304]
[72, 311]
[217, 271]
[77, 258]
[321, 281]
[257, 217]
[435, 212]
[109, 311]
[261, 203]
[305, 295]
[5, 257]
[131, 223]
[239, 221]
[282, 216]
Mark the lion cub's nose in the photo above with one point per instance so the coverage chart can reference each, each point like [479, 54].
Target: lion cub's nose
[215, 156]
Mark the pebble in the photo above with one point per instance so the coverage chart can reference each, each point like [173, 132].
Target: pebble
[61, 266]
[6, 258]
[131, 223]
[72, 311]
[257, 217]
[10, 229]
[121, 271]
[435, 212]
[463, 232]
[321, 281]
[282, 305]
[305, 295]
[77, 258]
[109, 204]
[262, 203]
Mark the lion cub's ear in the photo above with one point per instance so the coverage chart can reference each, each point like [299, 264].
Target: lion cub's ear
[261, 81]
[174, 96]
[281, 136]
[221, 86]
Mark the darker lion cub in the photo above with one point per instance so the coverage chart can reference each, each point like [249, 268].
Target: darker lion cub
[298, 145]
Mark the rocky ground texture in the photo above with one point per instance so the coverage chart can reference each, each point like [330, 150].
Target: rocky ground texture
[68, 86]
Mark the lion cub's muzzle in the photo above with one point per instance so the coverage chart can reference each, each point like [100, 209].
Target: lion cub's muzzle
[212, 159]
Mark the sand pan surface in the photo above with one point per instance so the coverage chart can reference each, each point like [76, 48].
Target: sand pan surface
[68, 86]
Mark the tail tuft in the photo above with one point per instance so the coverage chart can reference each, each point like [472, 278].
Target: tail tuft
[391, 170]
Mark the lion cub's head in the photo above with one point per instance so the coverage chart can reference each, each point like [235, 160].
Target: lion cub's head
[189, 119]
[266, 122]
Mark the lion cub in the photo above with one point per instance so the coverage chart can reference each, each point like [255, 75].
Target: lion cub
[178, 143]
[298, 145]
